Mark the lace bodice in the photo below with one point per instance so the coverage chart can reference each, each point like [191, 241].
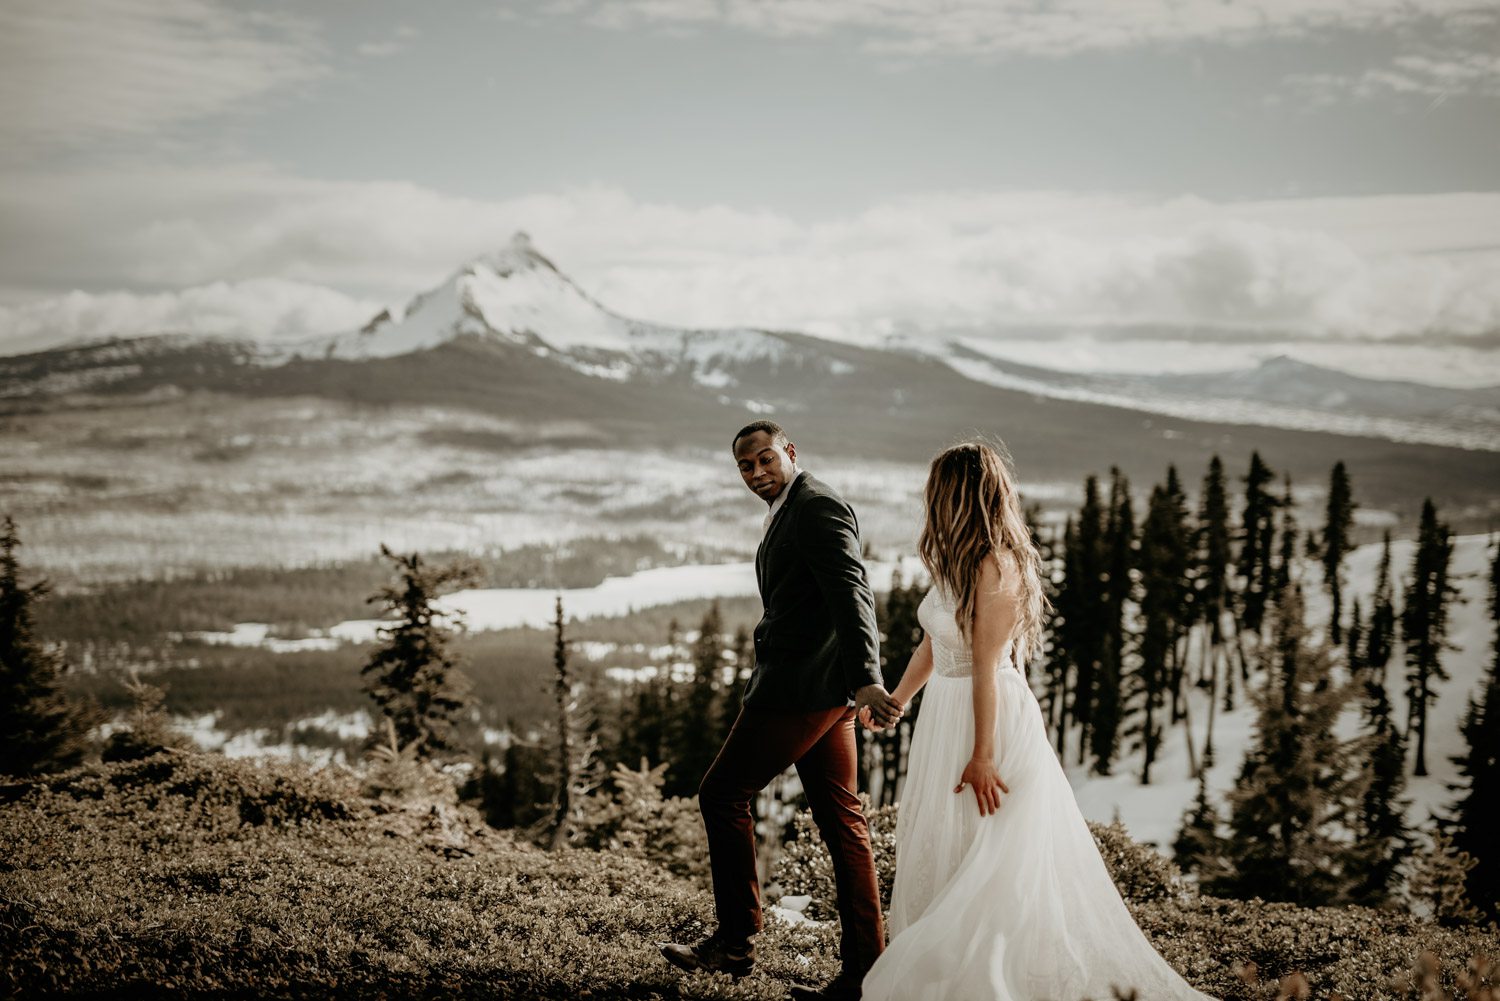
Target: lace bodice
[952, 656]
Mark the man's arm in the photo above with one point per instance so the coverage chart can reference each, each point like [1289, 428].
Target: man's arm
[828, 538]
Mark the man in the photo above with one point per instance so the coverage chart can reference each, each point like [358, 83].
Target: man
[817, 664]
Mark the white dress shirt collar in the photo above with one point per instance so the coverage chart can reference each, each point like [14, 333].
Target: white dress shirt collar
[778, 502]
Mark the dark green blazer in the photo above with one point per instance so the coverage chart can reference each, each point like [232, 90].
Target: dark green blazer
[817, 641]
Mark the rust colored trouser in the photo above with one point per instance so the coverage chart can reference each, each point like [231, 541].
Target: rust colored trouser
[760, 746]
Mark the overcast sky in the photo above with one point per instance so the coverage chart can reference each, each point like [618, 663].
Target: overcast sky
[1328, 168]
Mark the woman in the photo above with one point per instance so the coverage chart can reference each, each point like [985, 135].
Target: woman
[999, 893]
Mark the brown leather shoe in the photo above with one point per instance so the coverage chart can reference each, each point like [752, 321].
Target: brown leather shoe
[713, 954]
[840, 988]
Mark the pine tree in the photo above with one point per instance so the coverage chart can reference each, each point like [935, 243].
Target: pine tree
[1354, 640]
[1183, 588]
[1257, 532]
[573, 748]
[1163, 558]
[1286, 557]
[1119, 547]
[41, 728]
[1424, 623]
[1199, 848]
[695, 745]
[148, 729]
[1087, 640]
[742, 660]
[414, 678]
[1476, 815]
[644, 722]
[1380, 639]
[524, 797]
[1438, 882]
[1381, 837]
[1335, 544]
[1213, 556]
[1063, 626]
[1495, 603]
[1298, 787]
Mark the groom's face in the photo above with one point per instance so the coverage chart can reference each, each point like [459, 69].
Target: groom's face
[765, 466]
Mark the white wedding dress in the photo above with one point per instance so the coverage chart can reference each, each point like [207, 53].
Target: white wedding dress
[1017, 906]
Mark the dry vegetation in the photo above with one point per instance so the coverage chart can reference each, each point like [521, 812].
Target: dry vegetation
[189, 874]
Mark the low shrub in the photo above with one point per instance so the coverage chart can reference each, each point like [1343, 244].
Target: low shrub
[147, 730]
[177, 793]
[630, 816]
[1246, 949]
[190, 874]
[1141, 873]
[340, 908]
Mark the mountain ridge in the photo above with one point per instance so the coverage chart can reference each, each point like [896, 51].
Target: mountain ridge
[508, 351]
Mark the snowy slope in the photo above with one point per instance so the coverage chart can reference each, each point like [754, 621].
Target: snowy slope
[1280, 392]
[1153, 813]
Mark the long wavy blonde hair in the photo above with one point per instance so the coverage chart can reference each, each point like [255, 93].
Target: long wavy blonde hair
[973, 510]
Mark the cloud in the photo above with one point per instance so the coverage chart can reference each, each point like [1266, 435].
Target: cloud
[868, 277]
[399, 41]
[75, 74]
[175, 226]
[1425, 75]
[1376, 267]
[990, 27]
[266, 309]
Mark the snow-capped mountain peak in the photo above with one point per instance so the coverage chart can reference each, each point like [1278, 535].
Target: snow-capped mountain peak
[516, 296]
[513, 294]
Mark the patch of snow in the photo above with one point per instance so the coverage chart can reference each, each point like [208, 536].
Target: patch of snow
[716, 379]
[790, 911]
[615, 371]
[508, 608]
[345, 726]
[257, 634]
[262, 743]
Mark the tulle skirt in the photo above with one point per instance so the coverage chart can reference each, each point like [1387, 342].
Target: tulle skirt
[1017, 906]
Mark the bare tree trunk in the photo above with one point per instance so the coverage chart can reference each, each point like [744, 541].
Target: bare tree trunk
[1062, 715]
[1239, 647]
[1178, 673]
[563, 691]
[1148, 741]
[1187, 730]
[1214, 652]
[1421, 716]
[1204, 647]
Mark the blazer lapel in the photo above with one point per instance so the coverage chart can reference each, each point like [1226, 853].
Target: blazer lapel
[762, 567]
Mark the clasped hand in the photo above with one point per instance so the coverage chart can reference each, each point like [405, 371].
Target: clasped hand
[877, 708]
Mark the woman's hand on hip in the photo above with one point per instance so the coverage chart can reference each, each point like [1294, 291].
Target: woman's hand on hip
[981, 775]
